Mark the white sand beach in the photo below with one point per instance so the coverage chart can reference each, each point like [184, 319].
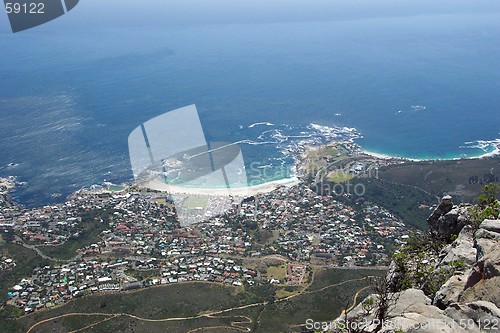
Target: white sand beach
[158, 185]
[389, 157]
[378, 155]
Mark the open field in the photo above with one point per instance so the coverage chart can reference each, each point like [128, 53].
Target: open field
[170, 301]
[195, 202]
[338, 176]
[276, 272]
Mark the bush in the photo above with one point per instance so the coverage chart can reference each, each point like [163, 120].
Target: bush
[488, 205]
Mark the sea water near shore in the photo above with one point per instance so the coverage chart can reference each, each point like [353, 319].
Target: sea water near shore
[421, 87]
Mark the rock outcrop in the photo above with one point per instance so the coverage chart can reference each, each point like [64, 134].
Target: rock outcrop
[414, 312]
[469, 301]
[484, 278]
[448, 220]
[6, 186]
[461, 251]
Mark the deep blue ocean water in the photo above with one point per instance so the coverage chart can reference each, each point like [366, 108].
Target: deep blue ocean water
[418, 87]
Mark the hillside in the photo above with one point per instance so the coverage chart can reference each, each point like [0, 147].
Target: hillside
[446, 281]
[203, 307]
[463, 179]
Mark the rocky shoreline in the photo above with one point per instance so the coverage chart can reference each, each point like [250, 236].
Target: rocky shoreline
[7, 185]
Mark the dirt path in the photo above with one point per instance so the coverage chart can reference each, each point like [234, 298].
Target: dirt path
[44, 256]
[354, 301]
[213, 314]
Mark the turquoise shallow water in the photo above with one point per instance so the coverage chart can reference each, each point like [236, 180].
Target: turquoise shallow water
[417, 87]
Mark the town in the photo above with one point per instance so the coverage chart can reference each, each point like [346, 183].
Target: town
[106, 239]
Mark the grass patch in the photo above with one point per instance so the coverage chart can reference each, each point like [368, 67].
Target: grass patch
[116, 188]
[161, 201]
[124, 323]
[142, 275]
[329, 151]
[195, 202]
[283, 292]
[276, 272]
[339, 176]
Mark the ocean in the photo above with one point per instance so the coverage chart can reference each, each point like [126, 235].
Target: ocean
[423, 86]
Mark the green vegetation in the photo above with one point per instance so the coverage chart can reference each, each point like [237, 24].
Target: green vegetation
[92, 227]
[412, 267]
[7, 319]
[327, 277]
[320, 157]
[124, 323]
[287, 291]
[489, 197]
[187, 299]
[142, 275]
[195, 202]
[331, 291]
[413, 270]
[27, 261]
[488, 205]
[330, 151]
[276, 272]
[368, 304]
[324, 151]
[408, 203]
[262, 236]
[410, 189]
[339, 176]
[463, 179]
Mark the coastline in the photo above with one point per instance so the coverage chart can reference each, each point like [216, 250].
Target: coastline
[158, 185]
[390, 157]
[495, 152]
[8, 183]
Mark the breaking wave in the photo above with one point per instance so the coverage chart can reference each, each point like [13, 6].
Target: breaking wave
[260, 124]
[271, 152]
[489, 147]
